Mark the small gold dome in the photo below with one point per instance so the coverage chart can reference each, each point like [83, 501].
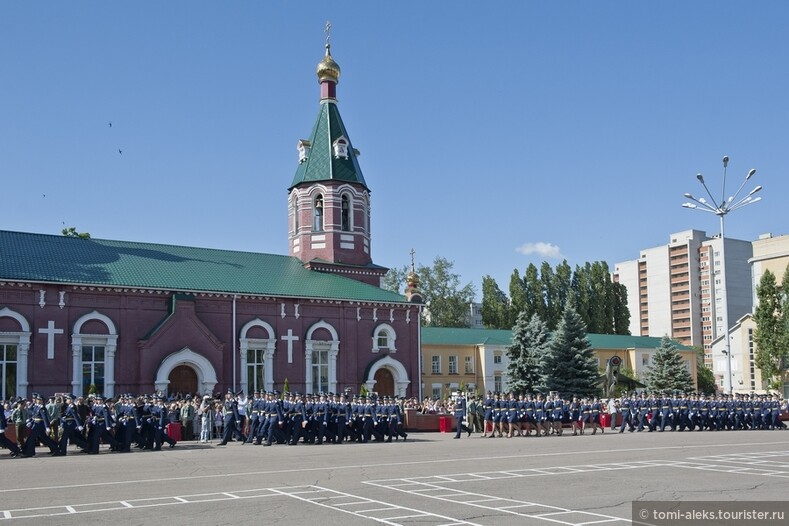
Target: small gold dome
[328, 69]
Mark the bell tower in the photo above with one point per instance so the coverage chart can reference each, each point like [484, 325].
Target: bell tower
[328, 199]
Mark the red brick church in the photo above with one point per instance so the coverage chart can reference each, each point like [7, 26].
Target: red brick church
[127, 316]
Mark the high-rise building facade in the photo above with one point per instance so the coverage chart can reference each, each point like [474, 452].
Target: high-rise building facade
[688, 289]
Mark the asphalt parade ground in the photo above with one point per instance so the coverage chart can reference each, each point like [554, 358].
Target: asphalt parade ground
[431, 479]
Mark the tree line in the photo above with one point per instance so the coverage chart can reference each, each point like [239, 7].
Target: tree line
[598, 300]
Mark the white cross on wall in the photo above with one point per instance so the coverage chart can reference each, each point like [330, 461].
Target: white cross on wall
[50, 331]
[290, 338]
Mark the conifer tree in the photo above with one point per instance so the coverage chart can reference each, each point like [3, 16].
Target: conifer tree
[570, 366]
[530, 344]
[668, 372]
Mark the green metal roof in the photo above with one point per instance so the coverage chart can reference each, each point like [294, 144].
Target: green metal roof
[321, 164]
[100, 262]
[451, 336]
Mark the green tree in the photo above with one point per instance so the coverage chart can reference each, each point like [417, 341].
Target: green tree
[570, 366]
[667, 371]
[517, 297]
[495, 311]
[705, 378]
[394, 279]
[562, 288]
[772, 328]
[621, 311]
[447, 302]
[553, 308]
[533, 289]
[581, 293]
[72, 232]
[530, 344]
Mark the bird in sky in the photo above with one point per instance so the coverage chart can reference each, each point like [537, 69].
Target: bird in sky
[110, 125]
[120, 151]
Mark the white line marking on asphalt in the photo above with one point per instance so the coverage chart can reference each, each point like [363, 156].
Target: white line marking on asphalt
[398, 464]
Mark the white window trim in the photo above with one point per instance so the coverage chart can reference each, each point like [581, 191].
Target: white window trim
[108, 341]
[333, 347]
[269, 348]
[391, 337]
[22, 340]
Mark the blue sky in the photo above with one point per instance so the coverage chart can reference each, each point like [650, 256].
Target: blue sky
[493, 134]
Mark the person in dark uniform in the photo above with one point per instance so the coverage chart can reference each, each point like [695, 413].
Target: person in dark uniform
[487, 422]
[343, 414]
[253, 416]
[298, 419]
[231, 417]
[100, 426]
[275, 418]
[128, 423]
[625, 407]
[396, 420]
[459, 412]
[38, 423]
[71, 426]
[5, 441]
[162, 417]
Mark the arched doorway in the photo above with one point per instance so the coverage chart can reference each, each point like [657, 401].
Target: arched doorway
[384, 382]
[205, 375]
[183, 379]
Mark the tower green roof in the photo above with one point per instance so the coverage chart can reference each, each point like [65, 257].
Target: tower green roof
[321, 164]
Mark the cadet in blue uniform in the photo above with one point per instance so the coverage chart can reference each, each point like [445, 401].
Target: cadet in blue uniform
[487, 422]
[100, 426]
[38, 423]
[460, 413]
[5, 441]
[72, 426]
[231, 417]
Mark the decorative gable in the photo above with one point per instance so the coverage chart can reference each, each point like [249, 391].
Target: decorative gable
[304, 149]
[340, 147]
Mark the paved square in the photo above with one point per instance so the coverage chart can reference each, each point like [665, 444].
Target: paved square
[429, 480]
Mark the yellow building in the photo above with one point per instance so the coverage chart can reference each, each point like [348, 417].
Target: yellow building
[477, 358]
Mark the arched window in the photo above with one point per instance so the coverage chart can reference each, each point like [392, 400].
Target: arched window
[257, 355]
[320, 356]
[384, 338]
[346, 213]
[317, 216]
[320, 368]
[93, 355]
[14, 349]
[8, 363]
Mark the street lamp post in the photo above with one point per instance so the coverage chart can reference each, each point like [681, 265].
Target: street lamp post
[721, 210]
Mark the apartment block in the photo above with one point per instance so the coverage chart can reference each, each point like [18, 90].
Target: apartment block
[678, 289]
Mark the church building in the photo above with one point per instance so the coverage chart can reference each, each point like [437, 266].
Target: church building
[78, 315]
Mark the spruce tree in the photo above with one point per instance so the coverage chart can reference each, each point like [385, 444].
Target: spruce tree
[667, 371]
[570, 366]
[530, 344]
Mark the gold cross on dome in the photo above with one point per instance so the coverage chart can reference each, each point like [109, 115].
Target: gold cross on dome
[328, 31]
[412, 258]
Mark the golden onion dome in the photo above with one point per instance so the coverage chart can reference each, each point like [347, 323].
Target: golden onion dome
[328, 69]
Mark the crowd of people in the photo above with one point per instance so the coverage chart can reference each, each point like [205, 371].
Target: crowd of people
[268, 418]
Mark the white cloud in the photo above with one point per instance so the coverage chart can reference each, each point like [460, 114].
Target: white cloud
[546, 250]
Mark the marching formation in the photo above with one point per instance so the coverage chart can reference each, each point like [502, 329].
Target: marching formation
[314, 419]
[148, 422]
[268, 418]
[501, 415]
[142, 421]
